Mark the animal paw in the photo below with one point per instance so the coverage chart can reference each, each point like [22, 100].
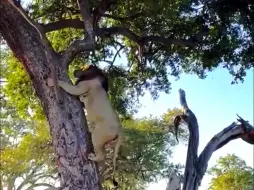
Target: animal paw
[91, 156]
[50, 82]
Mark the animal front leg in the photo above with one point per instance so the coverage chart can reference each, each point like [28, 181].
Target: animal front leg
[71, 89]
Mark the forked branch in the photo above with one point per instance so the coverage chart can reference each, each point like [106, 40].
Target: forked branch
[74, 49]
[88, 44]
[196, 166]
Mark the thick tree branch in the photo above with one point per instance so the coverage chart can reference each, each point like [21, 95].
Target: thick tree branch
[64, 23]
[142, 39]
[88, 44]
[87, 19]
[231, 132]
[76, 23]
[74, 49]
[193, 127]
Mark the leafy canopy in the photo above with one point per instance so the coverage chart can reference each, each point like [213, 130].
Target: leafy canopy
[157, 37]
[139, 43]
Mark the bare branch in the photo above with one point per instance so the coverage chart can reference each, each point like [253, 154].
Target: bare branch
[233, 131]
[193, 127]
[117, 53]
[144, 39]
[218, 139]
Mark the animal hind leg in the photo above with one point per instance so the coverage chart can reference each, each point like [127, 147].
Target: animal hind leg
[100, 136]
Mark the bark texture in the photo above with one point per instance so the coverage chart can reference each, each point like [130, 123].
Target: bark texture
[196, 166]
[66, 118]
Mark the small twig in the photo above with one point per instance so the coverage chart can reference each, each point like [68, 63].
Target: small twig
[117, 53]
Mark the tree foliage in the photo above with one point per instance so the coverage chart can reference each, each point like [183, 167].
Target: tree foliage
[26, 152]
[172, 36]
[146, 154]
[154, 40]
[231, 172]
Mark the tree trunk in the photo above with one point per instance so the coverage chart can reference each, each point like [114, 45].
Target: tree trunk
[66, 119]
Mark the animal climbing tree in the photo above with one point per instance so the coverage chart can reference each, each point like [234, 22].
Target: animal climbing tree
[158, 38]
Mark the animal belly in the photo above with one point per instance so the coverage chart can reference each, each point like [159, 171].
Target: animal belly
[101, 113]
[94, 118]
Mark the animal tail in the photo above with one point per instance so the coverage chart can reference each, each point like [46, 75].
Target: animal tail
[117, 146]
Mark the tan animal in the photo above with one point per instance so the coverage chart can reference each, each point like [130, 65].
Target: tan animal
[104, 120]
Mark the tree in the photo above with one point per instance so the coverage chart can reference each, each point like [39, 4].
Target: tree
[138, 165]
[231, 172]
[151, 134]
[194, 36]
[26, 152]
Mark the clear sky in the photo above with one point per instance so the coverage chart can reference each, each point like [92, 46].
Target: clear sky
[215, 102]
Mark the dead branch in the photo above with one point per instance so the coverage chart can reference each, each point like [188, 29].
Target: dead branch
[196, 166]
[77, 24]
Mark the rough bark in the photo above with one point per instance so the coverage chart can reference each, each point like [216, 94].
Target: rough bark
[66, 119]
[196, 166]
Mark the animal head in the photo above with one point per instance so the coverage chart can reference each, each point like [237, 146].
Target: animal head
[90, 72]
